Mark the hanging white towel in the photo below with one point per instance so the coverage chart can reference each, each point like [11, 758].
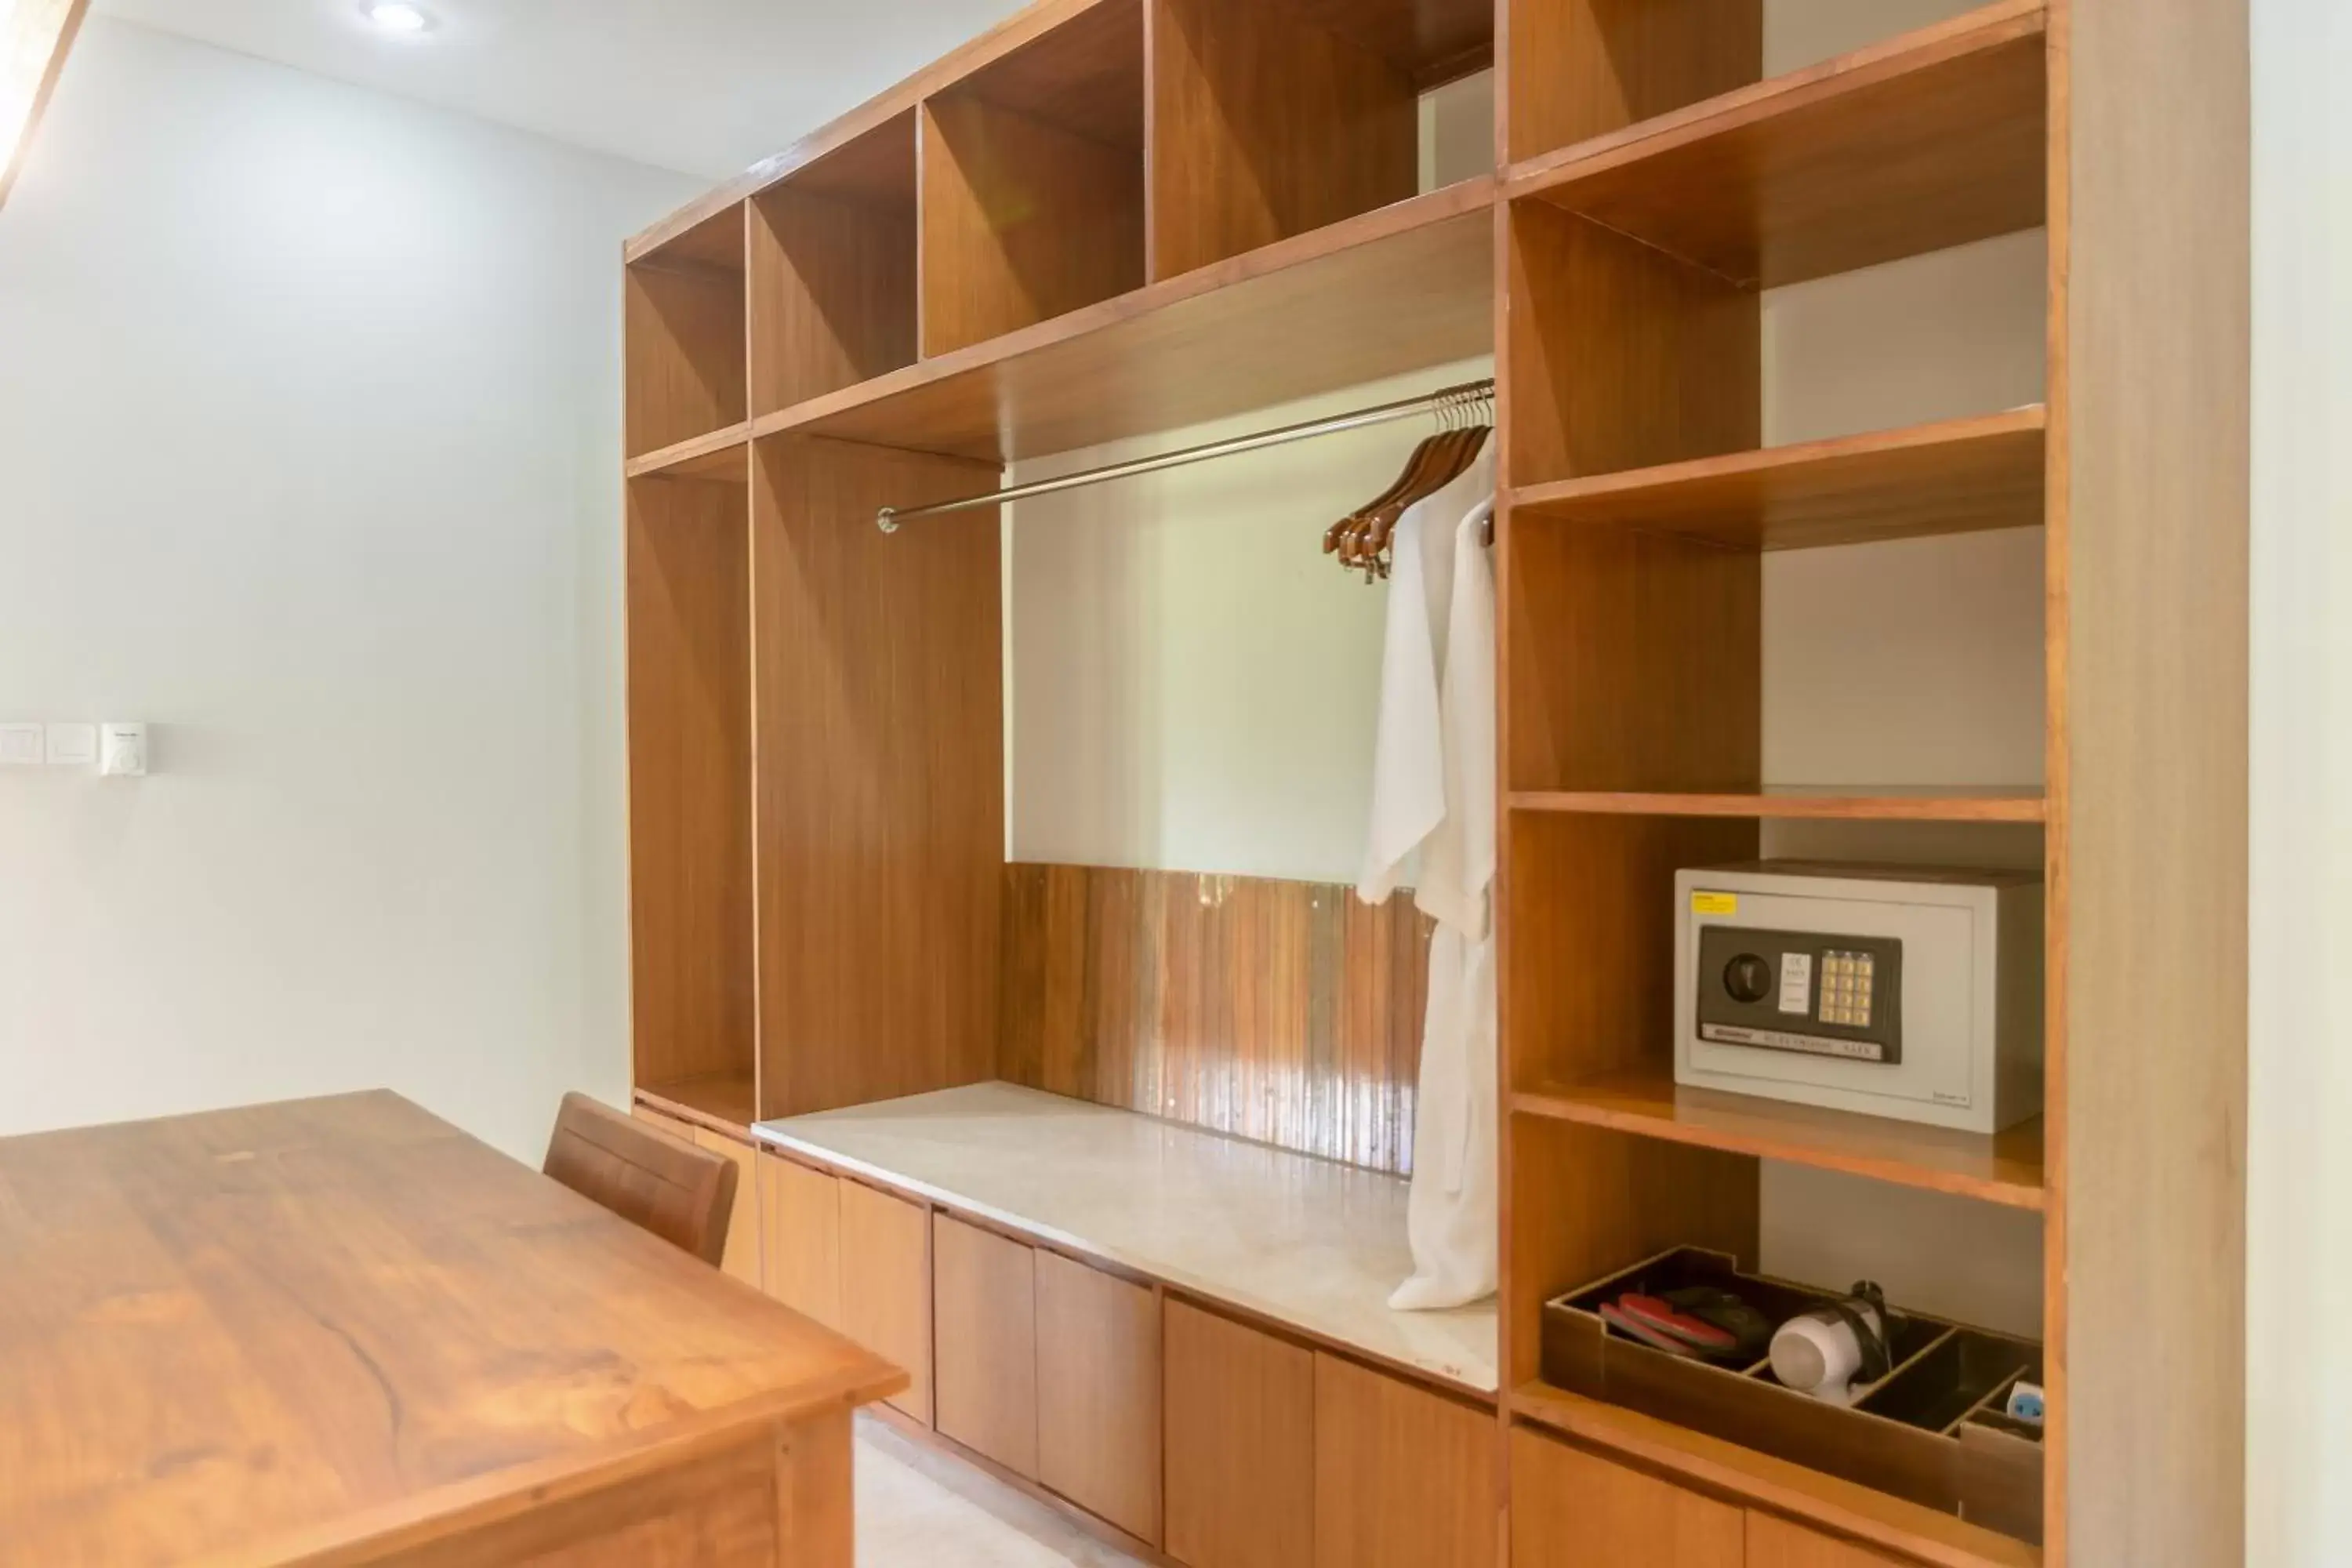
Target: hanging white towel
[1433, 791]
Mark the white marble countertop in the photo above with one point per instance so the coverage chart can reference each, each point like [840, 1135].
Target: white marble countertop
[1302, 1241]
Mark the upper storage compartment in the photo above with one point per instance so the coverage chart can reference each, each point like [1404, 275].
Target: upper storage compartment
[1272, 117]
[684, 315]
[1032, 200]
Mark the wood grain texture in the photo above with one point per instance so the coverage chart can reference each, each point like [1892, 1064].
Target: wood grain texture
[34, 44]
[741, 1254]
[1959, 476]
[1022, 222]
[645, 1174]
[1400, 289]
[1265, 125]
[832, 286]
[1616, 356]
[800, 1237]
[1403, 1477]
[881, 815]
[1774, 1543]
[886, 1286]
[683, 339]
[984, 1328]
[2012, 804]
[341, 1331]
[2152, 491]
[724, 455]
[1574, 1510]
[1098, 1402]
[1925, 142]
[690, 700]
[1084, 75]
[1574, 69]
[1240, 1445]
[1905, 1529]
[723, 1102]
[1431, 41]
[1288, 1013]
[2005, 1168]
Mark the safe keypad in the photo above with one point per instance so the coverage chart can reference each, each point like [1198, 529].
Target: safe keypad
[1846, 988]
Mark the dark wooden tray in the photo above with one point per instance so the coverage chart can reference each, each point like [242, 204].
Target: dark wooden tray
[1931, 1431]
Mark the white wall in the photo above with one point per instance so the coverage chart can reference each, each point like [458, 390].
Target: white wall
[309, 416]
[2299, 1131]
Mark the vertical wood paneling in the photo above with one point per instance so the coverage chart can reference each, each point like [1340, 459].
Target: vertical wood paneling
[1286, 1012]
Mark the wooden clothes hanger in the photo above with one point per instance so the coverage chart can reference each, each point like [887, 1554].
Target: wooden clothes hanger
[1450, 457]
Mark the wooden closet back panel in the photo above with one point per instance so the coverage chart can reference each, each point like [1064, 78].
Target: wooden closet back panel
[1289, 1012]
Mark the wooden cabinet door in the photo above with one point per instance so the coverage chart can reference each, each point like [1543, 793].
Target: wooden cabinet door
[1240, 1445]
[984, 1317]
[742, 1256]
[800, 1237]
[1774, 1543]
[1403, 1477]
[1098, 1393]
[886, 1285]
[1572, 1509]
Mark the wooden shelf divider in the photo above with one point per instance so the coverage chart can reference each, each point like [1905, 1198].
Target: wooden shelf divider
[724, 1102]
[1812, 803]
[2004, 1168]
[717, 456]
[1928, 140]
[1956, 476]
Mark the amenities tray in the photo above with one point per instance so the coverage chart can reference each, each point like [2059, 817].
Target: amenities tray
[1931, 1431]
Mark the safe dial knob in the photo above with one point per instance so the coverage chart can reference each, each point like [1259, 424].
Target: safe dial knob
[1748, 978]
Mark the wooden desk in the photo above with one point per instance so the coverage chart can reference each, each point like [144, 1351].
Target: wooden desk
[341, 1332]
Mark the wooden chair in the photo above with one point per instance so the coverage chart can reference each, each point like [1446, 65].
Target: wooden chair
[663, 1184]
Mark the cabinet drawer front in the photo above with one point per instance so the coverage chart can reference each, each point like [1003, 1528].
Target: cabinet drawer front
[1573, 1510]
[1240, 1445]
[1403, 1477]
[742, 1256]
[886, 1285]
[984, 1307]
[800, 1240]
[1774, 1543]
[1098, 1393]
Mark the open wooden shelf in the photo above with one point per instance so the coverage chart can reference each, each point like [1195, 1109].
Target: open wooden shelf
[1929, 140]
[1402, 289]
[683, 324]
[1922, 1535]
[2026, 803]
[1958, 476]
[2003, 1168]
[717, 456]
[724, 1104]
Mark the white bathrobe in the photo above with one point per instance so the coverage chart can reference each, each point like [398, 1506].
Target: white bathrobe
[1433, 791]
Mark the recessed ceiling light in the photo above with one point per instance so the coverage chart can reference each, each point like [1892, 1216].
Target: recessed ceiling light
[396, 15]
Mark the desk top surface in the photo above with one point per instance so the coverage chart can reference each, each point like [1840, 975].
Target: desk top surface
[259, 1335]
[1301, 1241]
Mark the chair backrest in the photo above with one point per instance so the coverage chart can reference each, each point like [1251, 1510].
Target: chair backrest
[650, 1178]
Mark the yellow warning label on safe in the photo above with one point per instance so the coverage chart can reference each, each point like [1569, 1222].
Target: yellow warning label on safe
[1715, 903]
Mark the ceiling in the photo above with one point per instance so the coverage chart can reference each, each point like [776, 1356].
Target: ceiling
[704, 87]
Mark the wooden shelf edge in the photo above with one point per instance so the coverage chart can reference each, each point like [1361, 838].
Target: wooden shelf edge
[1988, 26]
[1961, 1164]
[690, 458]
[1898, 462]
[2021, 805]
[1447, 204]
[724, 1104]
[1778, 1485]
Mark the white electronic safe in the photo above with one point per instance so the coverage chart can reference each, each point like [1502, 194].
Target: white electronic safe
[1892, 991]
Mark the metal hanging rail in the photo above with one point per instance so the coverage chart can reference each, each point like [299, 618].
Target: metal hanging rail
[1470, 393]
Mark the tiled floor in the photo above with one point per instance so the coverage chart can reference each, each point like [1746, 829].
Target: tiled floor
[920, 1509]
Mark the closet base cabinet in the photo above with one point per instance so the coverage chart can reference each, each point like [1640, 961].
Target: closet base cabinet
[800, 1237]
[1774, 1543]
[886, 1286]
[741, 1258]
[1240, 1445]
[984, 1316]
[1098, 1411]
[1404, 1478]
[1574, 1510]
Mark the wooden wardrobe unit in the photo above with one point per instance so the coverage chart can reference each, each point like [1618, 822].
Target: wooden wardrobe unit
[1111, 218]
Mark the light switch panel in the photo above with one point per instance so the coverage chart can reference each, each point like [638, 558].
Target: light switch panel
[21, 745]
[73, 745]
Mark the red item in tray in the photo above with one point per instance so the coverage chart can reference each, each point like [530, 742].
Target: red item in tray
[1616, 1317]
[1661, 1317]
